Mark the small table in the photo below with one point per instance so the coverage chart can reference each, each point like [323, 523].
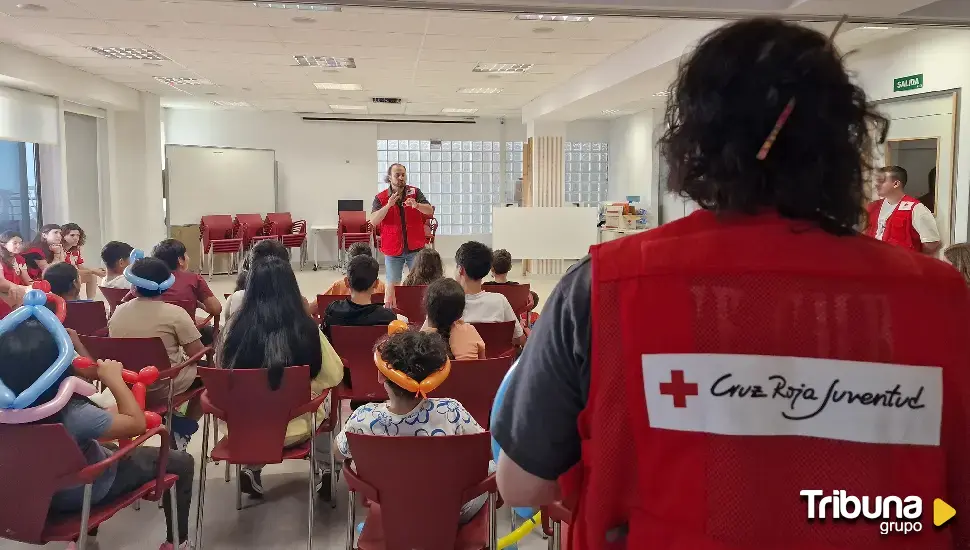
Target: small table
[314, 230]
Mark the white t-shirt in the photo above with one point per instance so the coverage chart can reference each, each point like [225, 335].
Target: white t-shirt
[233, 303]
[432, 416]
[116, 282]
[923, 221]
[490, 307]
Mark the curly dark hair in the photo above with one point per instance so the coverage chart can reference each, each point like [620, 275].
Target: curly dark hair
[501, 262]
[427, 268]
[416, 354]
[68, 227]
[724, 103]
[475, 258]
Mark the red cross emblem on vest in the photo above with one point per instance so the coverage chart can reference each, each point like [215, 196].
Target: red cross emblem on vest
[678, 389]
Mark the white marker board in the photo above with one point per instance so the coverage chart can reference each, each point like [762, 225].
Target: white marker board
[544, 233]
[210, 180]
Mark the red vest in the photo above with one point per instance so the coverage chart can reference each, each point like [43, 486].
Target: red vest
[12, 274]
[899, 226]
[392, 236]
[689, 443]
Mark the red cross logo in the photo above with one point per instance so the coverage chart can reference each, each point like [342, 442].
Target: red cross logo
[678, 389]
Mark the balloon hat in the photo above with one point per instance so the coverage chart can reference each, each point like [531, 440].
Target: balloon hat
[422, 388]
[142, 282]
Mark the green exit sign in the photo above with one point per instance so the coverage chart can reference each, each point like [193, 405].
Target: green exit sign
[906, 83]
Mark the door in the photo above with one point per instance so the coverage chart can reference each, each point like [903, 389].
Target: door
[83, 186]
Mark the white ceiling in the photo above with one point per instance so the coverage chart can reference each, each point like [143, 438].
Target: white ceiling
[247, 52]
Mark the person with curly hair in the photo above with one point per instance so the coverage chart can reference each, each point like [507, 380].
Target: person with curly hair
[427, 268]
[73, 240]
[722, 365]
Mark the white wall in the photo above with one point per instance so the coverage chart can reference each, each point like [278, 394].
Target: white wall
[941, 57]
[632, 160]
[82, 169]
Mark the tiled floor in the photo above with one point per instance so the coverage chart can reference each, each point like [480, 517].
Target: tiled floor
[280, 521]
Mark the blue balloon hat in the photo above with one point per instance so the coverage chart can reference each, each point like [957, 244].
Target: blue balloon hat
[34, 306]
[142, 282]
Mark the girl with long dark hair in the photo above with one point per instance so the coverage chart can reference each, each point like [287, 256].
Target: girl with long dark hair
[445, 303]
[271, 330]
[15, 281]
[44, 250]
[427, 268]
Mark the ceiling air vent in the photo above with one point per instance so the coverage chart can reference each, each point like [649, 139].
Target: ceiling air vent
[392, 100]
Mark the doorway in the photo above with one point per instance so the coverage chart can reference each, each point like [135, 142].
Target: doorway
[919, 157]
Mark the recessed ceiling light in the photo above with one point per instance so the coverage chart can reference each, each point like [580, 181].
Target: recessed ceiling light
[543, 30]
[297, 6]
[479, 90]
[506, 68]
[153, 64]
[664, 93]
[876, 28]
[338, 86]
[559, 18]
[451, 110]
[348, 107]
[183, 81]
[231, 103]
[611, 111]
[247, 89]
[304, 20]
[153, 26]
[211, 93]
[32, 7]
[325, 61]
[129, 53]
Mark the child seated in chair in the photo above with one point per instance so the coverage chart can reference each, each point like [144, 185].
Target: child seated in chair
[271, 330]
[445, 303]
[65, 281]
[417, 355]
[115, 256]
[474, 261]
[341, 287]
[263, 249]
[148, 316]
[358, 309]
[427, 268]
[26, 352]
[501, 265]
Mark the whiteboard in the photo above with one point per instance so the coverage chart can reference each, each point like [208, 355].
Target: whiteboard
[210, 180]
[545, 233]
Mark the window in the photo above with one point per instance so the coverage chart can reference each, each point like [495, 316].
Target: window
[462, 179]
[587, 172]
[19, 188]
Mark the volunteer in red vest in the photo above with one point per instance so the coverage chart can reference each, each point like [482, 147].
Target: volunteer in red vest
[399, 211]
[708, 384]
[899, 219]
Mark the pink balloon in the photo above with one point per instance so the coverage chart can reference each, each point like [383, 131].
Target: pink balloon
[69, 387]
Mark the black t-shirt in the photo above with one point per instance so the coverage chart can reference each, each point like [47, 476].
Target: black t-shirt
[347, 313]
[418, 198]
[537, 424]
[498, 283]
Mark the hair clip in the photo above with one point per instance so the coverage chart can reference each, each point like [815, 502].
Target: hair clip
[34, 306]
[422, 388]
[142, 282]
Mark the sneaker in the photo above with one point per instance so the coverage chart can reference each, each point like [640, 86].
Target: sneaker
[251, 482]
[182, 430]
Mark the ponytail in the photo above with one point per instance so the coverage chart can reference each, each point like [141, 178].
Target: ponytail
[445, 333]
[275, 376]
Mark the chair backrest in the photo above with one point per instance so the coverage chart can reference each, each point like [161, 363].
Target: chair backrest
[35, 461]
[134, 353]
[356, 346]
[214, 227]
[253, 226]
[517, 295]
[410, 302]
[281, 222]
[423, 517]
[86, 317]
[324, 300]
[497, 337]
[257, 416]
[350, 221]
[474, 384]
[114, 296]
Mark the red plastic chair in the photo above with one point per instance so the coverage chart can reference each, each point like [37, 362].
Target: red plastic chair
[113, 296]
[252, 229]
[137, 353]
[497, 337]
[352, 227]
[517, 295]
[410, 302]
[324, 300]
[256, 434]
[37, 460]
[291, 233]
[355, 345]
[553, 517]
[88, 318]
[474, 384]
[218, 234]
[402, 518]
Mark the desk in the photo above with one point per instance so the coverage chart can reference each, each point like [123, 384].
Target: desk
[607, 234]
[314, 231]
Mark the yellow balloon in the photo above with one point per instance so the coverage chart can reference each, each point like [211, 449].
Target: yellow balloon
[521, 532]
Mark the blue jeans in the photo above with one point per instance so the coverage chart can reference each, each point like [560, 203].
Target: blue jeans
[395, 266]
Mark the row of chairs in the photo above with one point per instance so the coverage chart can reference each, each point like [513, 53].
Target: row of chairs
[353, 227]
[221, 234]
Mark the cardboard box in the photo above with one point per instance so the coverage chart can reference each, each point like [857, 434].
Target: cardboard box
[191, 238]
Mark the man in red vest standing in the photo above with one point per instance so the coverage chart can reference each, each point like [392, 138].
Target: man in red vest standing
[899, 219]
[757, 375]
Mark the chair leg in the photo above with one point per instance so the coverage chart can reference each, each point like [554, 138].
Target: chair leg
[311, 491]
[137, 505]
[238, 486]
[351, 528]
[211, 263]
[168, 416]
[215, 438]
[333, 469]
[492, 521]
[175, 514]
[82, 540]
[555, 542]
[227, 472]
[202, 469]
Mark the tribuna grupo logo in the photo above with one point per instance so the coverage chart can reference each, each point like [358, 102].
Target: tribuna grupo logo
[895, 514]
